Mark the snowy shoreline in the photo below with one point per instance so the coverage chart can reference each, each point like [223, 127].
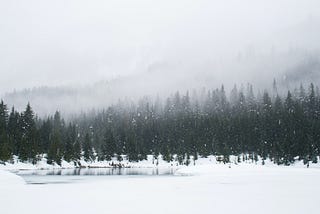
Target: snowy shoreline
[212, 188]
[16, 164]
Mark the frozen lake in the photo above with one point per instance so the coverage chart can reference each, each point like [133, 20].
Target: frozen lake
[211, 189]
[57, 176]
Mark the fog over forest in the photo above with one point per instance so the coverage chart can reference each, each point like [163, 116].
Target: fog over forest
[77, 55]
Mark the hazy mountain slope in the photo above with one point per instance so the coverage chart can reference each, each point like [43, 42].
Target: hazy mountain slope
[289, 68]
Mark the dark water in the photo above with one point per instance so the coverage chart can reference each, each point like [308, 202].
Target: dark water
[59, 176]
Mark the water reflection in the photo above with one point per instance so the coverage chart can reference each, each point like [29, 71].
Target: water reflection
[97, 172]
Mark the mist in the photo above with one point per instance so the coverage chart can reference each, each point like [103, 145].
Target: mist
[76, 55]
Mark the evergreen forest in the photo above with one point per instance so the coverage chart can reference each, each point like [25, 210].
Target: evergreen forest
[281, 127]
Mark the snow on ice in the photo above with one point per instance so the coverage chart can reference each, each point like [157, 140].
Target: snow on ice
[203, 188]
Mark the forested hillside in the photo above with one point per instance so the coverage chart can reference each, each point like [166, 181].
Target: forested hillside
[190, 124]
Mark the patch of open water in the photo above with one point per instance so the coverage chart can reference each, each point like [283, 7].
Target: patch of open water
[58, 176]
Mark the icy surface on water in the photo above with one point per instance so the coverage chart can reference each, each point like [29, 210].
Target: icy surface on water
[240, 189]
[56, 176]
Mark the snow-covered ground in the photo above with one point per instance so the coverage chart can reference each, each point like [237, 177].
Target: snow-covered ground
[16, 164]
[209, 188]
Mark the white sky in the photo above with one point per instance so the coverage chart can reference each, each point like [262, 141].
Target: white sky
[66, 42]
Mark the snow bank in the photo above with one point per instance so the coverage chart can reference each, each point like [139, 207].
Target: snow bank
[16, 164]
[151, 162]
[8, 179]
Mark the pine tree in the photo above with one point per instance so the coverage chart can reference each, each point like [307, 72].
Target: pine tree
[29, 142]
[109, 146]
[14, 132]
[68, 148]
[77, 150]
[55, 152]
[87, 148]
[5, 150]
[132, 151]
[234, 95]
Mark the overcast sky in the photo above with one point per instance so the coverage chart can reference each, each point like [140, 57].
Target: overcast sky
[64, 42]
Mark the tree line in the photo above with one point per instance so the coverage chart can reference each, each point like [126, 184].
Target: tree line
[280, 127]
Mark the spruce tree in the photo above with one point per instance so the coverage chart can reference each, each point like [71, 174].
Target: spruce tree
[87, 148]
[29, 141]
[5, 150]
[55, 152]
[109, 146]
